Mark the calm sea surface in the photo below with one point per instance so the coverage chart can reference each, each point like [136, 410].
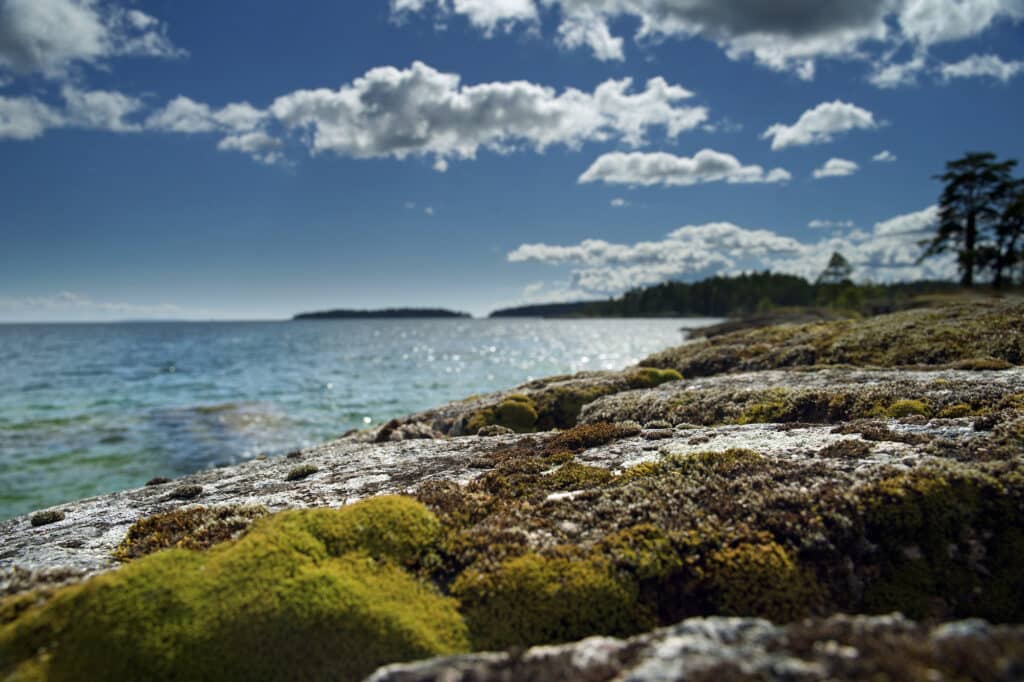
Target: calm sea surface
[89, 409]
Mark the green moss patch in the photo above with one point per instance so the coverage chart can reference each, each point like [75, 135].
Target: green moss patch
[304, 595]
[761, 579]
[516, 412]
[952, 543]
[907, 408]
[534, 598]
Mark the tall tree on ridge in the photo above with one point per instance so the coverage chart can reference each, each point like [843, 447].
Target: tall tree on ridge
[1006, 252]
[968, 207]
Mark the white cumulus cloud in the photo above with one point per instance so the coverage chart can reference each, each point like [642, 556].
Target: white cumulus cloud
[884, 156]
[929, 22]
[982, 66]
[50, 36]
[661, 168]
[888, 75]
[918, 222]
[257, 144]
[486, 15]
[820, 124]
[420, 111]
[836, 168]
[831, 224]
[26, 118]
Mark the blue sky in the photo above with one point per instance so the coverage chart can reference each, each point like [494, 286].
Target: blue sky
[170, 159]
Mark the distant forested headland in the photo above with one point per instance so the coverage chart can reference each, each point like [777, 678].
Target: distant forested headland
[388, 313]
[740, 295]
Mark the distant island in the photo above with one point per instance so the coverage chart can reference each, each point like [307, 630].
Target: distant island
[576, 309]
[389, 313]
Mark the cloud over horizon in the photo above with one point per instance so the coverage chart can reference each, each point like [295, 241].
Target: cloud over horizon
[888, 252]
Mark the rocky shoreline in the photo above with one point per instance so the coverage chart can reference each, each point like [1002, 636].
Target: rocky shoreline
[781, 474]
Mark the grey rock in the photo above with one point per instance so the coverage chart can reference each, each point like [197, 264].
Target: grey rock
[494, 430]
[707, 649]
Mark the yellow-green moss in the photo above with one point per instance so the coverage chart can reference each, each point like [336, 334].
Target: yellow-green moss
[936, 528]
[517, 415]
[907, 408]
[576, 476]
[534, 599]
[305, 595]
[957, 410]
[722, 462]
[775, 407]
[479, 420]
[649, 377]
[516, 412]
[644, 550]
[762, 580]
[638, 471]
[13, 606]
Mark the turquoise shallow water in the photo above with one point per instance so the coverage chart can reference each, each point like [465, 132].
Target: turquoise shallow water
[89, 409]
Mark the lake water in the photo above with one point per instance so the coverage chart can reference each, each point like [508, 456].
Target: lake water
[89, 409]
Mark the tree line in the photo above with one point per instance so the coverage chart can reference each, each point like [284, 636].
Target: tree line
[748, 293]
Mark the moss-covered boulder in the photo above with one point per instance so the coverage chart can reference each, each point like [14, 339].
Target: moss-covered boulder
[304, 595]
[553, 403]
[983, 334]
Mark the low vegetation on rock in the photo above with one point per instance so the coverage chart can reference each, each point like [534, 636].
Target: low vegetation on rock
[983, 334]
